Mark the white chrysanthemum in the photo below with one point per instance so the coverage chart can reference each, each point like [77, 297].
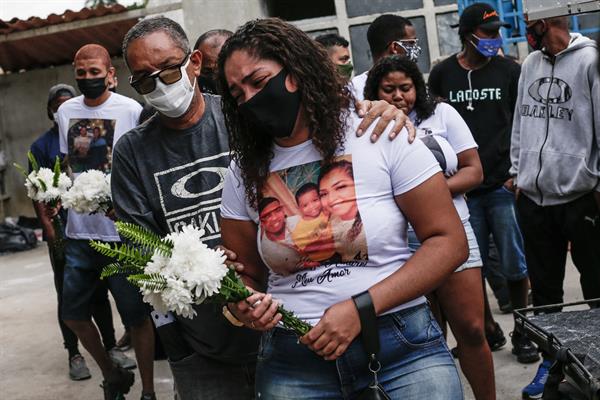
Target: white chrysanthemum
[64, 182]
[50, 194]
[32, 185]
[107, 177]
[193, 272]
[201, 268]
[40, 187]
[206, 277]
[154, 298]
[90, 193]
[157, 264]
[177, 298]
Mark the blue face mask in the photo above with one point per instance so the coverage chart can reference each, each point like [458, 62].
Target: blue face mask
[487, 47]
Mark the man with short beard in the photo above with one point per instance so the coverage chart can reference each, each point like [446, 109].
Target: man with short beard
[169, 173]
[111, 115]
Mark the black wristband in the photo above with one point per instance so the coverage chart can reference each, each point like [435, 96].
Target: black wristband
[368, 321]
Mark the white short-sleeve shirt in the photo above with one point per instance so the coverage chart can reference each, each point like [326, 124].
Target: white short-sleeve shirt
[446, 134]
[356, 194]
[357, 85]
[87, 136]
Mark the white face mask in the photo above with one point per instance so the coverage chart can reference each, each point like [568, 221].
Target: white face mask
[175, 99]
[55, 117]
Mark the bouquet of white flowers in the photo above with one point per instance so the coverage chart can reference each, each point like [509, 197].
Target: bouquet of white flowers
[44, 184]
[47, 186]
[178, 271]
[90, 193]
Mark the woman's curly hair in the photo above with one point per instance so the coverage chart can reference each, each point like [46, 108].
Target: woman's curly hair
[424, 104]
[324, 96]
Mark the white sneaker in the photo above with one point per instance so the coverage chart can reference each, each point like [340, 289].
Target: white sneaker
[78, 370]
[121, 359]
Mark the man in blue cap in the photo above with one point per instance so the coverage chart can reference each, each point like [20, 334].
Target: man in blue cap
[482, 87]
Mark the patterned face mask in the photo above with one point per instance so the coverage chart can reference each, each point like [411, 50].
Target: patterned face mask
[411, 48]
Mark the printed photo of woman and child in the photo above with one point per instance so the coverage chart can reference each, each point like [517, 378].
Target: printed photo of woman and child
[309, 217]
[90, 144]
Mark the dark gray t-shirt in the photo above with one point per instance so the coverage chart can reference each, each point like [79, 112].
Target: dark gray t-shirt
[163, 179]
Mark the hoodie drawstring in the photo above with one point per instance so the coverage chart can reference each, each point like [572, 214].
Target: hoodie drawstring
[470, 105]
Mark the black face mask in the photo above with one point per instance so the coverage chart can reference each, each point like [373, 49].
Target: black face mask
[207, 84]
[535, 39]
[92, 88]
[274, 109]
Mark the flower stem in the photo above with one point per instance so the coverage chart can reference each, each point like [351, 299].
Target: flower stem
[59, 241]
[234, 290]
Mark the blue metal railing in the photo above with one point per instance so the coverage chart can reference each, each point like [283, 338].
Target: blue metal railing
[511, 11]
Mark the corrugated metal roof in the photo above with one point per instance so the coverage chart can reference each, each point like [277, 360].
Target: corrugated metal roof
[38, 43]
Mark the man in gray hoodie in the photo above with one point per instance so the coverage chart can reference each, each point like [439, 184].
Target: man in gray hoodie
[555, 159]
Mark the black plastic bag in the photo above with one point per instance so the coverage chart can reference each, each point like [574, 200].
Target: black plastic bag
[16, 238]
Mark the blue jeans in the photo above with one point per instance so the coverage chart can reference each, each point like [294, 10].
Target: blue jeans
[495, 213]
[415, 364]
[82, 276]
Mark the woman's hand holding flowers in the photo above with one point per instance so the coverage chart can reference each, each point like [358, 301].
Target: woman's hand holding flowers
[258, 311]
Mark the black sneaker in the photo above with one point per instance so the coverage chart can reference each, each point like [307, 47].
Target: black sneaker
[148, 396]
[496, 339]
[117, 385]
[524, 349]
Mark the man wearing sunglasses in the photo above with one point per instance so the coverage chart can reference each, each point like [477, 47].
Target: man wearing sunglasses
[388, 35]
[169, 172]
[109, 115]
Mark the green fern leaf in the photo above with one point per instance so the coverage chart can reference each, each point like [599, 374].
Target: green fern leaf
[122, 252]
[43, 185]
[154, 282]
[144, 237]
[34, 164]
[57, 172]
[21, 170]
[117, 268]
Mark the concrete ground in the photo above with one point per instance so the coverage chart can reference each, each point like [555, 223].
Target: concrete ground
[33, 364]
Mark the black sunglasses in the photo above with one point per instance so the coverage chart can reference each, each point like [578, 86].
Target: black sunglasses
[169, 75]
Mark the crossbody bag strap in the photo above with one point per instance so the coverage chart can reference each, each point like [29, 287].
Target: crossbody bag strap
[368, 323]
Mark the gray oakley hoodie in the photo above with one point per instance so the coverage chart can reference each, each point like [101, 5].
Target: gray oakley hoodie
[555, 142]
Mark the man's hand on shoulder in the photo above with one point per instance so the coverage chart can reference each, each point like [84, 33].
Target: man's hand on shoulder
[370, 110]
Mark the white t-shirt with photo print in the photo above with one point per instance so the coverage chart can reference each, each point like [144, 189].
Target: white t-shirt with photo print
[377, 233]
[121, 115]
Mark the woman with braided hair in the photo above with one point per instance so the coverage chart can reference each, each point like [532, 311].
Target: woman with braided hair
[287, 112]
